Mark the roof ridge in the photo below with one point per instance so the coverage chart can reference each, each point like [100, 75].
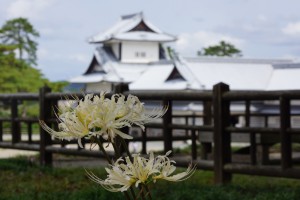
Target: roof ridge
[129, 16]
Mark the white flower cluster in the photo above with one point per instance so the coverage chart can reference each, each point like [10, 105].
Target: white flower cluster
[104, 117]
[125, 173]
[100, 117]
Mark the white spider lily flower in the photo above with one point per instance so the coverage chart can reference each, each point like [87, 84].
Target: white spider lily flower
[167, 169]
[71, 127]
[74, 123]
[111, 115]
[139, 116]
[102, 117]
[125, 173]
[141, 169]
[117, 181]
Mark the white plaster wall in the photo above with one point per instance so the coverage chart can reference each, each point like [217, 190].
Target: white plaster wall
[115, 48]
[98, 87]
[130, 49]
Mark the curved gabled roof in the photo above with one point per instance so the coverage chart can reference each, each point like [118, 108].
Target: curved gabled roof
[135, 28]
[285, 77]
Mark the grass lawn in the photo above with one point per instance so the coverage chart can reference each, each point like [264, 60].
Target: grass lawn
[24, 181]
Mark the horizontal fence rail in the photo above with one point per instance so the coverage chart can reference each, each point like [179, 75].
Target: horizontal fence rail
[213, 122]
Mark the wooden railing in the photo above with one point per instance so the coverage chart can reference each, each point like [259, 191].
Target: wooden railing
[216, 131]
[224, 167]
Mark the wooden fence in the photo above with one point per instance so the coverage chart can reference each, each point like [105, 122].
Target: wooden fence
[216, 132]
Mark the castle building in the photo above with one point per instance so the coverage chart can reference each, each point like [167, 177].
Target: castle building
[125, 52]
[134, 52]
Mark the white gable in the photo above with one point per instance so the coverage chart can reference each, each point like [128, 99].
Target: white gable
[285, 79]
[155, 78]
[120, 31]
[129, 72]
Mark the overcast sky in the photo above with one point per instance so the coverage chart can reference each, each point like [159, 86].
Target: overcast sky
[259, 28]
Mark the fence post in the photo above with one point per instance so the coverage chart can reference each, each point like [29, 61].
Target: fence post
[1, 131]
[45, 115]
[15, 124]
[285, 137]
[144, 141]
[29, 131]
[167, 131]
[222, 138]
[120, 89]
[206, 147]
[194, 145]
[252, 135]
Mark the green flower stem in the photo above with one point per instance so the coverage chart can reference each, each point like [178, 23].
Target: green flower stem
[148, 192]
[125, 146]
[132, 193]
[100, 144]
[127, 195]
[117, 152]
[117, 149]
[142, 192]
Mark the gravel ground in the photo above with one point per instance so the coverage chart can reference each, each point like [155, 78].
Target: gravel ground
[75, 161]
[8, 153]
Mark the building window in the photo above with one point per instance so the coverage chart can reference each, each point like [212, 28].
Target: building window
[140, 54]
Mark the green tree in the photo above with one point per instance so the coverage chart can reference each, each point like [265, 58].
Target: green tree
[20, 33]
[57, 86]
[16, 75]
[170, 52]
[223, 49]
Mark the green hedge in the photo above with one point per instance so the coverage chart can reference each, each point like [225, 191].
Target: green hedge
[24, 180]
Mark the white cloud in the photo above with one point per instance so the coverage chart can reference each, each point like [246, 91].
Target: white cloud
[28, 8]
[42, 53]
[46, 31]
[262, 18]
[80, 57]
[292, 29]
[250, 28]
[190, 43]
[46, 53]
